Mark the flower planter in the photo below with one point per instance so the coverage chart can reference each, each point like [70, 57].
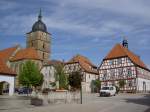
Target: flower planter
[36, 101]
[61, 90]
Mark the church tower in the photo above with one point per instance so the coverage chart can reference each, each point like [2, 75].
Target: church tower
[39, 39]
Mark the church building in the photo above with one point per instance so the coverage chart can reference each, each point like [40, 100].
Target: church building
[37, 49]
[121, 64]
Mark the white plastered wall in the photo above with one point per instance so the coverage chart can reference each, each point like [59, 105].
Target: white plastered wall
[140, 86]
[86, 86]
[10, 80]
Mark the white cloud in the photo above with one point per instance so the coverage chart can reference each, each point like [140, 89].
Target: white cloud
[128, 7]
[16, 25]
[5, 5]
[61, 18]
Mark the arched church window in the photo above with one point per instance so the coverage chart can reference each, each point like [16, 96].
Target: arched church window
[37, 64]
[43, 55]
[43, 45]
[32, 44]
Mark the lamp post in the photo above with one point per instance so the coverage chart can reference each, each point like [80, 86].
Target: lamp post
[81, 87]
[81, 93]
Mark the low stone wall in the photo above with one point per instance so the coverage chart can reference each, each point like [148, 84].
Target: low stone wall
[60, 97]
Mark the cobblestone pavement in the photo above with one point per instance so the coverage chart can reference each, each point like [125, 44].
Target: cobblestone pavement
[91, 103]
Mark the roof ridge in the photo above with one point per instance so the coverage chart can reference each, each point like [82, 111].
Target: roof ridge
[5, 69]
[136, 56]
[26, 53]
[9, 48]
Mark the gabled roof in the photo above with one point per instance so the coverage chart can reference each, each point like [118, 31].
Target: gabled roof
[4, 70]
[5, 54]
[79, 57]
[119, 51]
[54, 62]
[28, 53]
[84, 62]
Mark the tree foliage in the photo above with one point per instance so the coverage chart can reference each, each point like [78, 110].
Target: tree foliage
[122, 83]
[60, 76]
[75, 79]
[30, 75]
[96, 83]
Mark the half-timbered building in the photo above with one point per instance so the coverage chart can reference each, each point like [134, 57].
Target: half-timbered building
[123, 65]
[88, 70]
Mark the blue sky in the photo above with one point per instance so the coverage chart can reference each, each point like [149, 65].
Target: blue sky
[87, 27]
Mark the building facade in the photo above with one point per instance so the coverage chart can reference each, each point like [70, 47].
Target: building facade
[88, 70]
[123, 65]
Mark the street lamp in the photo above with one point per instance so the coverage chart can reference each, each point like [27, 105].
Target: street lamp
[81, 93]
[81, 88]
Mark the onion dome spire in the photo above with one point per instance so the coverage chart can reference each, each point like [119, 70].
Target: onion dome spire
[40, 15]
[39, 24]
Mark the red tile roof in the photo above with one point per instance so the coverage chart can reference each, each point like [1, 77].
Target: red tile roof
[4, 70]
[28, 53]
[54, 62]
[120, 51]
[85, 63]
[7, 53]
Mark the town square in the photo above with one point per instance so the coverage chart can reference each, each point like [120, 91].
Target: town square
[67, 56]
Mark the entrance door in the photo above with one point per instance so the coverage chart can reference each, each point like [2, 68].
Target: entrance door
[1, 88]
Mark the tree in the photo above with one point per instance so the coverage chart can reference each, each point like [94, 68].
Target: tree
[75, 79]
[30, 75]
[61, 77]
[96, 84]
[121, 83]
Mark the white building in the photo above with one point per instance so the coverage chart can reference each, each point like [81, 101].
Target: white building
[48, 72]
[7, 76]
[89, 71]
[122, 64]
